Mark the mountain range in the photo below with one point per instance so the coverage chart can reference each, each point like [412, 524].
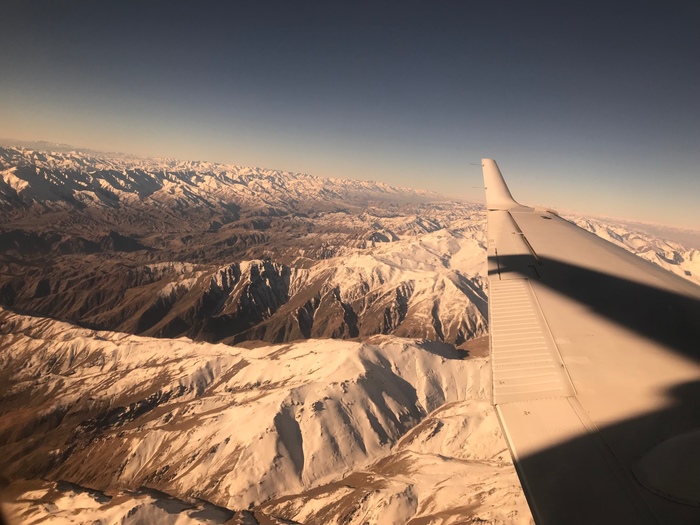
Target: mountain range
[190, 342]
[219, 253]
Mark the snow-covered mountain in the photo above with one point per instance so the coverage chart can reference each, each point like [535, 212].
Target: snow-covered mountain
[188, 342]
[221, 253]
[392, 426]
[161, 191]
[383, 431]
[669, 254]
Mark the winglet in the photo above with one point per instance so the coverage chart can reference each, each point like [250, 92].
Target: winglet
[498, 195]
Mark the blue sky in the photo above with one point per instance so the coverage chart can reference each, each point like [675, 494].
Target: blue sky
[589, 106]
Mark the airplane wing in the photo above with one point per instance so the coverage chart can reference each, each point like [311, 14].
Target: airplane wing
[596, 370]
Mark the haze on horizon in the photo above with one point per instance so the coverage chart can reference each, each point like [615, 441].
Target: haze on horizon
[589, 107]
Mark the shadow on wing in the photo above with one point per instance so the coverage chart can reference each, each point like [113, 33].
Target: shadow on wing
[672, 320]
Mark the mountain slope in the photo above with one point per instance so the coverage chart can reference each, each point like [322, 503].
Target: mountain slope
[114, 412]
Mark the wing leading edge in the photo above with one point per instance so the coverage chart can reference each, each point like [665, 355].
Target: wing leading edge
[596, 370]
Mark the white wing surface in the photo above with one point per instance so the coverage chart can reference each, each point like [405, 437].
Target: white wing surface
[596, 370]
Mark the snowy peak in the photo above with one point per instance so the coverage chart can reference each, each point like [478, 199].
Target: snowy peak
[670, 255]
[53, 180]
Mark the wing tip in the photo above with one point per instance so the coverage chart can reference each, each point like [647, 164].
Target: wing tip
[498, 195]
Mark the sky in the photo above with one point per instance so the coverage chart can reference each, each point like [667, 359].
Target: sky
[586, 106]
